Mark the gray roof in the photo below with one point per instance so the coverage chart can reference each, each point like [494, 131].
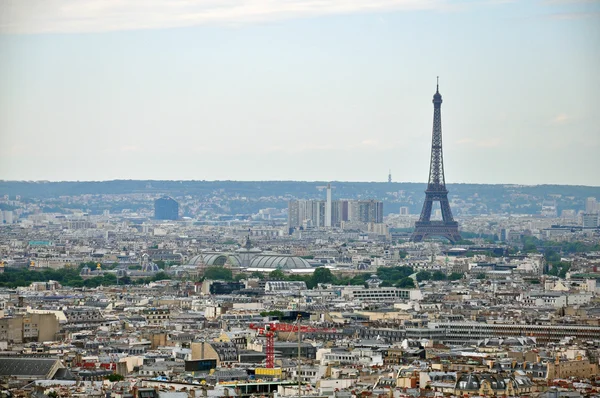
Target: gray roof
[282, 262]
[32, 368]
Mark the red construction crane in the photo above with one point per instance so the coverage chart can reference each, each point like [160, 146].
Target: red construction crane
[268, 330]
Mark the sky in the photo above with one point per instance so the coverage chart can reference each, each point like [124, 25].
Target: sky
[322, 90]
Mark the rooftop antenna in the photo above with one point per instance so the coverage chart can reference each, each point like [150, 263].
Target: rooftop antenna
[437, 88]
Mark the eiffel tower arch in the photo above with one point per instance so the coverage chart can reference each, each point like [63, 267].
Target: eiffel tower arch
[436, 187]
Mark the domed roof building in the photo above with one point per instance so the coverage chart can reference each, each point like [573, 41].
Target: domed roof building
[214, 259]
[268, 262]
[374, 281]
[247, 253]
[150, 267]
[248, 258]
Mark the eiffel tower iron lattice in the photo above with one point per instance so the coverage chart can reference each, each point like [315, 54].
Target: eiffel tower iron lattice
[436, 187]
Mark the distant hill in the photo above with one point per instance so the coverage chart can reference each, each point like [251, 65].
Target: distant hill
[469, 198]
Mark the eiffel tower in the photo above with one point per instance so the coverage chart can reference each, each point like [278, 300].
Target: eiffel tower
[436, 187]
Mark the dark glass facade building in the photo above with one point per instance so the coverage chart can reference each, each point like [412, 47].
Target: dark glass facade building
[166, 208]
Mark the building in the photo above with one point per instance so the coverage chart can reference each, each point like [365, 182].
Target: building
[166, 208]
[7, 217]
[83, 317]
[157, 316]
[471, 332]
[582, 368]
[591, 205]
[29, 369]
[314, 214]
[306, 213]
[489, 384]
[285, 286]
[223, 353]
[589, 220]
[390, 294]
[328, 207]
[368, 211]
[24, 328]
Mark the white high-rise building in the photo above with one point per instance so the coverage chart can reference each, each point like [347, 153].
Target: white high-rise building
[328, 207]
[589, 220]
[8, 217]
[591, 205]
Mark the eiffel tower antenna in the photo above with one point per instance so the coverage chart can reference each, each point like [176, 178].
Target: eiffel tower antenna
[436, 186]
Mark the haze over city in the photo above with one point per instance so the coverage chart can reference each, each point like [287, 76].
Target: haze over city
[326, 90]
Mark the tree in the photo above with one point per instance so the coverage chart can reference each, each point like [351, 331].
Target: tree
[239, 277]
[455, 276]
[322, 275]
[115, 377]
[423, 276]
[464, 242]
[258, 275]
[438, 276]
[394, 274]
[277, 275]
[551, 256]
[406, 283]
[481, 275]
[218, 273]
[160, 276]
[274, 313]
[109, 279]
[529, 248]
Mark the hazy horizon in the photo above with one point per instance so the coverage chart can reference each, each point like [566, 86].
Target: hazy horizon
[326, 90]
[303, 181]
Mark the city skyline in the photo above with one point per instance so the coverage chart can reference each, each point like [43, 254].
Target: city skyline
[319, 91]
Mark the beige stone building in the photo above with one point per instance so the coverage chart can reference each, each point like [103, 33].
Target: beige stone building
[577, 368]
[28, 327]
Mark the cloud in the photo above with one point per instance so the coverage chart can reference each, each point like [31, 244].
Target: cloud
[561, 118]
[75, 16]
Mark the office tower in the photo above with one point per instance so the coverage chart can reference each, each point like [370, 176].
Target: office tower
[313, 213]
[328, 209]
[8, 217]
[589, 220]
[436, 187]
[293, 214]
[309, 213]
[404, 211]
[166, 208]
[591, 205]
[365, 211]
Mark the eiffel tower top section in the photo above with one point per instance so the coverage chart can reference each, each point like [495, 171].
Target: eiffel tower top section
[437, 181]
[437, 97]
